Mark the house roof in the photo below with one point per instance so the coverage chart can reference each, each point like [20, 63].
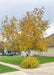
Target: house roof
[51, 44]
[52, 35]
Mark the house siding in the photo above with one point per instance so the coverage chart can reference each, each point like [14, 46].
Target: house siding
[48, 53]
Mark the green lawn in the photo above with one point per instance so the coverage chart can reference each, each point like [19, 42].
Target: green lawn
[18, 59]
[12, 59]
[4, 69]
[45, 59]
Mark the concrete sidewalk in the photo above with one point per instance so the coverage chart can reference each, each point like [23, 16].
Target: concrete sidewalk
[43, 69]
[15, 73]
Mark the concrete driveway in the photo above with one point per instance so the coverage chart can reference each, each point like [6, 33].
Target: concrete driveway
[44, 69]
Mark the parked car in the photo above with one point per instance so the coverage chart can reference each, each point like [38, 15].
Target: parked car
[10, 54]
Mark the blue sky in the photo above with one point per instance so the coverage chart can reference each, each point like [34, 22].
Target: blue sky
[18, 8]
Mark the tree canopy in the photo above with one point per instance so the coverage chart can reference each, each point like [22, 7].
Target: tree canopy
[26, 33]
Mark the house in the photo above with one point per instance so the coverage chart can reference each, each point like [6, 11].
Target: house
[6, 52]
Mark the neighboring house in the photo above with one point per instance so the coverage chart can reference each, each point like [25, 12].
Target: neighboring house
[6, 52]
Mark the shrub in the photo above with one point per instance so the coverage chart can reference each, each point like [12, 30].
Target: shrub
[30, 63]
